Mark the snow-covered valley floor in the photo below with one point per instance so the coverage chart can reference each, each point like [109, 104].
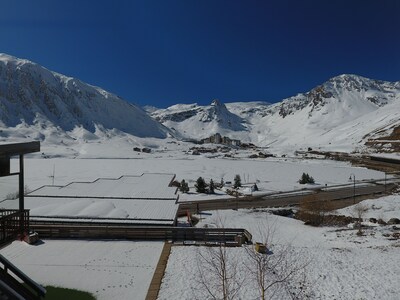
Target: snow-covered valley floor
[341, 265]
[271, 174]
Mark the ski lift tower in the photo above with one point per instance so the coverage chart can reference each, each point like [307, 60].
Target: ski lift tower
[14, 222]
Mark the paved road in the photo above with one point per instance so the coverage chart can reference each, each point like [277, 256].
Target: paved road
[288, 198]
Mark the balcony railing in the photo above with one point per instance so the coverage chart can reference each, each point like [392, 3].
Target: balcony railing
[13, 223]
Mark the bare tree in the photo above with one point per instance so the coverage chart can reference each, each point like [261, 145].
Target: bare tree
[359, 212]
[278, 272]
[276, 268]
[218, 271]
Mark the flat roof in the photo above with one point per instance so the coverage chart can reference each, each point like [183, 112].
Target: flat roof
[144, 199]
[19, 148]
[136, 211]
[151, 186]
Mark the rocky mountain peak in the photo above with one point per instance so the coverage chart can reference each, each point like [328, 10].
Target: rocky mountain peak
[217, 103]
[217, 108]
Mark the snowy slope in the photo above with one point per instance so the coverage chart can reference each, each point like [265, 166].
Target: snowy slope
[341, 113]
[43, 104]
[194, 121]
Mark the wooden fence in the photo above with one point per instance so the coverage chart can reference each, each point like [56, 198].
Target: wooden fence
[231, 236]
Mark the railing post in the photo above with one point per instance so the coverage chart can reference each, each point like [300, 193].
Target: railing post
[3, 226]
[21, 193]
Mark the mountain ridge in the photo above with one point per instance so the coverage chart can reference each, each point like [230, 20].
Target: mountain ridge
[31, 94]
[325, 114]
[346, 111]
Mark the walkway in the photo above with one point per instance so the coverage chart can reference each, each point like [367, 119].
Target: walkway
[155, 284]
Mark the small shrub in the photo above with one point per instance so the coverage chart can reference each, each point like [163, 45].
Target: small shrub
[15, 195]
[313, 211]
[184, 187]
[175, 183]
[12, 196]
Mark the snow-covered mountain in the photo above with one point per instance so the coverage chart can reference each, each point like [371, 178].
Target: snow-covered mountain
[41, 104]
[194, 121]
[344, 112]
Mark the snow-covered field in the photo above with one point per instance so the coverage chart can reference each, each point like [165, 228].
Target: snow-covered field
[386, 208]
[342, 265]
[88, 133]
[272, 174]
[107, 269]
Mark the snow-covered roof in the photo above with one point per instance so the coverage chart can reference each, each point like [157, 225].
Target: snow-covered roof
[144, 199]
[146, 186]
[136, 211]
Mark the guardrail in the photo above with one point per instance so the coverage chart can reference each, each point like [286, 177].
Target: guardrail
[385, 159]
[279, 199]
[230, 236]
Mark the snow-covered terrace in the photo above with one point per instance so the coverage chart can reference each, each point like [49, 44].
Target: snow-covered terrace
[146, 199]
[107, 269]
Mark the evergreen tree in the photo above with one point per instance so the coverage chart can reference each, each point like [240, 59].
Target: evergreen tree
[237, 181]
[184, 187]
[200, 185]
[305, 178]
[211, 187]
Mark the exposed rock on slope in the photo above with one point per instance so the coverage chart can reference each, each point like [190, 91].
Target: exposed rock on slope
[344, 112]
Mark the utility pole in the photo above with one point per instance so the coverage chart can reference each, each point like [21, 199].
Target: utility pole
[385, 183]
[354, 187]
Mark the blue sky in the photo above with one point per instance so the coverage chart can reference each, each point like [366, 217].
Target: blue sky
[165, 52]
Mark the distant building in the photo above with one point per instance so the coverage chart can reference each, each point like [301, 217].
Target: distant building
[218, 139]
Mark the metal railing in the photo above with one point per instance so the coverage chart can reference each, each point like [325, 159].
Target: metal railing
[13, 287]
